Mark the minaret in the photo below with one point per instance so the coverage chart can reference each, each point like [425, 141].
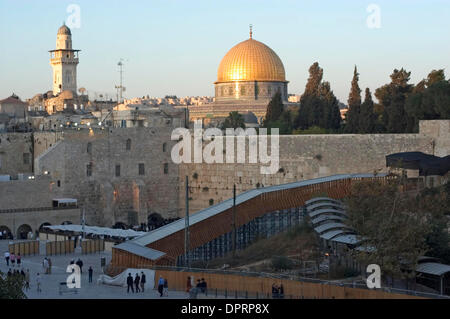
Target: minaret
[64, 62]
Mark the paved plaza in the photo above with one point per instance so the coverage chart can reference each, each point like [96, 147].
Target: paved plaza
[51, 283]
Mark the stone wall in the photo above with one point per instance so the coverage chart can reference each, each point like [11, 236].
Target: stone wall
[16, 153]
[309, 156]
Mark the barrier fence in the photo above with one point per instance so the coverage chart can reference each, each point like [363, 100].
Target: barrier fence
[231, 284]
[59, 247]
[91, 246]
[24, 248]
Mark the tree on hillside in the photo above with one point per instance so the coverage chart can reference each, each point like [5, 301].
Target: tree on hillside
[277, 116]
[318, 105]
[274, 108]
[330, 108]
[430, 99]
[234, 120]
[11, 287]
[367, 117]
[354, 105]
[398, 225]
[392, 97]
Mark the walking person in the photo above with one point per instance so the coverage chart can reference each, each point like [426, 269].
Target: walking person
[13, 259]
[189, 284]
[143, 280]
[7, 258]
[45, 265]
[130, 283]
[160, 286]
[38, 282]
[19, 260]
[90, 271]
[137, 280]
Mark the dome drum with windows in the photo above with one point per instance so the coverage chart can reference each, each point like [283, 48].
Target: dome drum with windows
[250, 71]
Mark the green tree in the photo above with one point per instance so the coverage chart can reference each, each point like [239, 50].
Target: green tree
[11, 287]
[367, 117]
[234, 120]
[277, 116]
[318, 105]
[330, 108]
[392, 98]
[430, 99]
[389, 221]
[354, 105]
[274, 108]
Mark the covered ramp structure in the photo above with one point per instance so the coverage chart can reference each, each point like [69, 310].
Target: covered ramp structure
[268, 208]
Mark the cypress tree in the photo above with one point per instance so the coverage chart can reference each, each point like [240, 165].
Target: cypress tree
[274, 108]
[367, 116]
[354, 105]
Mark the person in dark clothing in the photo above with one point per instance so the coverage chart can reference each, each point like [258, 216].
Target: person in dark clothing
[80, 264]
[143, 280]
[281, 292]
[90, 271]
[137, 280]
[130, 283]
[9, 272]
[204, 285]
[274, 291]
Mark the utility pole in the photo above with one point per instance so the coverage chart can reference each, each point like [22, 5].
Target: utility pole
[233, 224]
[186, 228]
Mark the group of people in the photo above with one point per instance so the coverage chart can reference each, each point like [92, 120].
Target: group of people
[277, 291]
[5, 235]
[201, 286]
[138, 282]
[11, 257]
[25, 275]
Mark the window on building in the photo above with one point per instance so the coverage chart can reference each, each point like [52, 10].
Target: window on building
[26, 158]
[128, 146]
[166, 168]
[89, 148]
[59, 183]
[118, 170]
[141, 169]
[164, 147]
[89, 169]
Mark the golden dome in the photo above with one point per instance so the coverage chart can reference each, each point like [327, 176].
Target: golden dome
[251, 60]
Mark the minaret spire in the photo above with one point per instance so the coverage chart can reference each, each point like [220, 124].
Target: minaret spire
[251, 31]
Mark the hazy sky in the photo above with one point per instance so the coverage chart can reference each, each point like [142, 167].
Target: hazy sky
[175, 46]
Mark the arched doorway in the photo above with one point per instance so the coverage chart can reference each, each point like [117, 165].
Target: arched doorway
[41, 228]
[5, 232]
[23, 230]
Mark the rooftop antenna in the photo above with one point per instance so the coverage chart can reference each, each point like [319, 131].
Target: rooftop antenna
[120, 88]
[251, 31]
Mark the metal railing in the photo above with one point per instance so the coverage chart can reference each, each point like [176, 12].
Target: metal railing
[34, 209]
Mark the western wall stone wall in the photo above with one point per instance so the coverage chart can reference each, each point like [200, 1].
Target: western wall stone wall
[13, 146]
[301, 157]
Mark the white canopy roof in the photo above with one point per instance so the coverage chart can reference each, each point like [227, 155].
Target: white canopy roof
[95, 230]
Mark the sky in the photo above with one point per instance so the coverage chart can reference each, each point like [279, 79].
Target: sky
[174, 47]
